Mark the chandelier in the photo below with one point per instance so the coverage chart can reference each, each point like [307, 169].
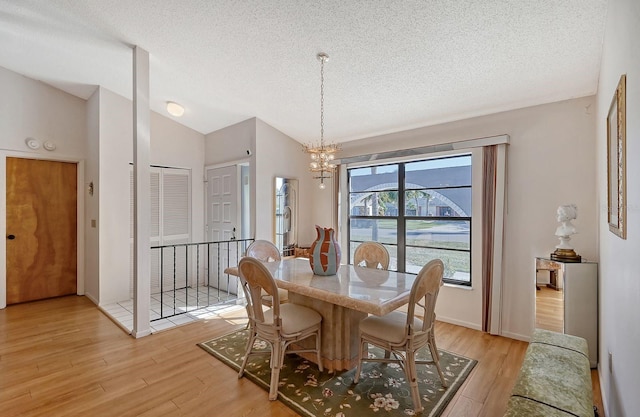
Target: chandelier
[323, 155]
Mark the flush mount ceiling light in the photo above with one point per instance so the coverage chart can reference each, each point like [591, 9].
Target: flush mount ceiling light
[322, 156]
[174, 109]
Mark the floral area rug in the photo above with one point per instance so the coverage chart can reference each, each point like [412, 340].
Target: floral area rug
[381, 391]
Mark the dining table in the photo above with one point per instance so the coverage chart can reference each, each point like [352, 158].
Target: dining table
[343, 300]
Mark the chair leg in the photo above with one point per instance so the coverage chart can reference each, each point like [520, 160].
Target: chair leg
[248, 318]
[318, 349]
[435, 355]
[277, 353]
[252, 333]
[412, 376]
[361, 353]
[252, 339]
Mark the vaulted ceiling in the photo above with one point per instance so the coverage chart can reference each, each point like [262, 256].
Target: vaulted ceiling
[394, 64]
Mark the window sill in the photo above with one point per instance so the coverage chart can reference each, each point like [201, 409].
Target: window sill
[458, 286]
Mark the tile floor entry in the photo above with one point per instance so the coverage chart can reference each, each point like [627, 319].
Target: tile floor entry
[178, 307]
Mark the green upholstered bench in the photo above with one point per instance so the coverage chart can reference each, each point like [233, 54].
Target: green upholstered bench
[555, 378]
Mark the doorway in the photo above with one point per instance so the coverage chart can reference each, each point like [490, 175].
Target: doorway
[224, 221]
[222, 203]
[41, 229]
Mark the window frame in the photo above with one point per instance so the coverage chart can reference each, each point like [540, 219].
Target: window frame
[402, 219]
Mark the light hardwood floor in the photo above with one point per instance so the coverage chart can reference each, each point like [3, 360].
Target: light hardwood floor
[549, 309]
[63, 357]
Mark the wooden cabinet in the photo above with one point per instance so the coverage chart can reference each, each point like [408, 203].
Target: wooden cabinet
[578, 283]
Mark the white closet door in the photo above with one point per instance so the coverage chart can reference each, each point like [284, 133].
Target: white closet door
[170, 223]
[131, 232]
[175, 225]
[154, 227]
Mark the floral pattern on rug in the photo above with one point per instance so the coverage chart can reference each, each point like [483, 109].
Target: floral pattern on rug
[381, 391]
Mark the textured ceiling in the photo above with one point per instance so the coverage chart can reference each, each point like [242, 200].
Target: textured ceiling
[393, 64]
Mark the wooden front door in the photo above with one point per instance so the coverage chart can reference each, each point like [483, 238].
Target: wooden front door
[41, 229]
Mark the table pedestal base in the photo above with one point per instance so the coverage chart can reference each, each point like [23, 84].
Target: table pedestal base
[340, 333]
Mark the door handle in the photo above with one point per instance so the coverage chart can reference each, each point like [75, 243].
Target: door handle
[11, 237]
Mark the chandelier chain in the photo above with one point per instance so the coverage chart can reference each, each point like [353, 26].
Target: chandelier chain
[322, 162]
[322, 101]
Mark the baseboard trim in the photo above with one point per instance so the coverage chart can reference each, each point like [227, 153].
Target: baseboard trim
[114, 320]
[604, 412]
[142, 333]
[516, 336]
[93, 300]
[462, 323]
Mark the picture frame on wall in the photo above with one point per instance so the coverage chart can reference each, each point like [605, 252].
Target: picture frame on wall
[616, 161]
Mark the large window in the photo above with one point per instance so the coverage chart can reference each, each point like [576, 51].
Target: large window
[420, 210]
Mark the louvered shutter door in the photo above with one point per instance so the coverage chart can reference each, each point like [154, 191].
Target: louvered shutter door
[131, 232]
[176, 193]
[170, 195]
[154, 228]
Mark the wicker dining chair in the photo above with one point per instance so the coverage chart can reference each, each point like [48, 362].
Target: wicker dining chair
[280, 325]
[371, 255]
[267, 252]
[402, 334]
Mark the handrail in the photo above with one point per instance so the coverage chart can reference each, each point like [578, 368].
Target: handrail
[203, 243]
[193, 278]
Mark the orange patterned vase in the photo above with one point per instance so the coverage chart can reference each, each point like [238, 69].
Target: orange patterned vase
[325, 252]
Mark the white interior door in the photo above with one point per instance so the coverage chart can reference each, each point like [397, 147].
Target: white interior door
[222, 224]
[222, 203]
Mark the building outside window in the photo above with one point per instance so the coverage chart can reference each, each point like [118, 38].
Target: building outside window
[420, 210]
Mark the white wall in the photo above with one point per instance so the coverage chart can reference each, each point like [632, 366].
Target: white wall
[112, 193]
[172, 145]
[272, 154]
[31, 109]
[92, 207]
[100, 131]
[228, 147]
[551, 161]
[277, 155]
[231, 143]
[619, 283]
[175, 145]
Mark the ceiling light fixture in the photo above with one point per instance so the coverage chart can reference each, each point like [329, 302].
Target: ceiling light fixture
[322, 156]
[174, 109]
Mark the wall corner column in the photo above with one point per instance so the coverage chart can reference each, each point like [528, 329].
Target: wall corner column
[141, 193]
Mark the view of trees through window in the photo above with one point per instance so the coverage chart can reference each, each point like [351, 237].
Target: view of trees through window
[419, 210]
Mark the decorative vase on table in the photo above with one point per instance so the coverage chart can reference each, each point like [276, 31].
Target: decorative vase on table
[325, 252]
